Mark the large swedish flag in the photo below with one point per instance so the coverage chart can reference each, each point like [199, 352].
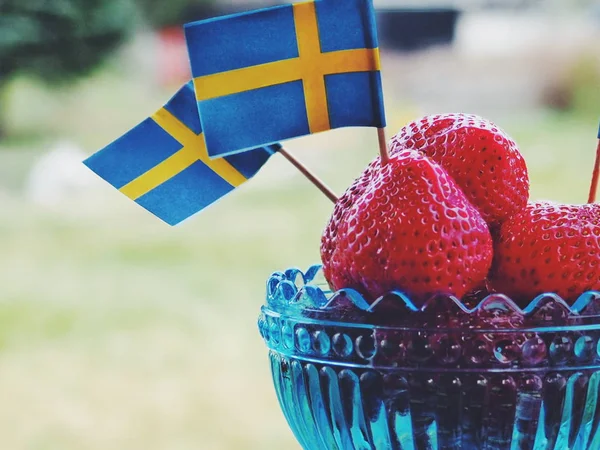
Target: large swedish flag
[284, 72]
[162, 163]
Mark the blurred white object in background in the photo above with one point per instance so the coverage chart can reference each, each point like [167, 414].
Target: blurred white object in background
[514, 34]
[59, 175]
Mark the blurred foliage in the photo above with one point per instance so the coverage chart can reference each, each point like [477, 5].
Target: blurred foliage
[584, 81]
[58, 39]
[160, 13]
[578, 87]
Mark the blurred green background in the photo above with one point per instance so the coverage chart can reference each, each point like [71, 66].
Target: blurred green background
[118, 332]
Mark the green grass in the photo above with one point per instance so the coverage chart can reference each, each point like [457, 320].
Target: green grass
[118, 332]
[123, 333]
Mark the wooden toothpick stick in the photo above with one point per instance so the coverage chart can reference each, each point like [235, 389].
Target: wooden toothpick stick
[308, 174]
[596, 174]
[383, 146]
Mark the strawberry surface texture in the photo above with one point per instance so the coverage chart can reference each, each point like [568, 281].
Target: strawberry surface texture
[407, 226]
[340, 211]
[548, 248]
[483, 160]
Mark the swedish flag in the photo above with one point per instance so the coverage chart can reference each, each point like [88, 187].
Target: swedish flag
[285, 71]
[162, 163]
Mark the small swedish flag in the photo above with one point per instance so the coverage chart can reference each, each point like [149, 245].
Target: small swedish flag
[162, 163]
[284, 72]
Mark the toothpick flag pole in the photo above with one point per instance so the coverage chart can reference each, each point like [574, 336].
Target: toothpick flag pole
[596, 174]
[383, 146]
[308, 174]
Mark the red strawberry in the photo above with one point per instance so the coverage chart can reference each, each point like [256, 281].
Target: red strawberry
[548, 248]
[342, 206]
[411, 228]
[483, 160]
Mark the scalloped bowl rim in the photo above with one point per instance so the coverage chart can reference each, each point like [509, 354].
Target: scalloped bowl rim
[291, 306]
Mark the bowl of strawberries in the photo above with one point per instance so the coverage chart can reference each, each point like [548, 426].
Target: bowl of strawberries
[351, 374]
[450, 311]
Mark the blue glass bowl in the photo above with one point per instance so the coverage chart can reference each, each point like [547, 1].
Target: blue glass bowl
[442, 375]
